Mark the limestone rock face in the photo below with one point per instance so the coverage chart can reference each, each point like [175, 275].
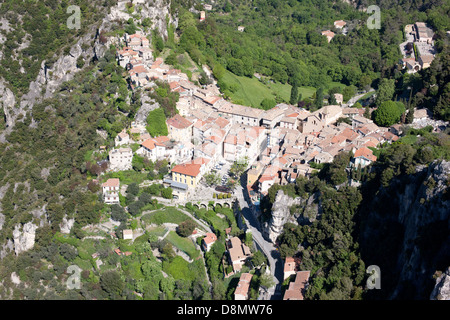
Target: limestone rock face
[156, 10]
[66, 225]
[280, 215]
[442, 289]
[24, 240]
[419, 214]
[8, 100]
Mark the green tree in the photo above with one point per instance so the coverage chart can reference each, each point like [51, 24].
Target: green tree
[268, 104]
[133, 189]
[266, 280]
[385, 91]
[318, 103]
[156, 123]
[212, 179]
[166, 193]
[294, 95]
[118, 213]
[186, 228]
[410, 116]
[388, 113]
[258, 258]
[348, 92]
[112, 283]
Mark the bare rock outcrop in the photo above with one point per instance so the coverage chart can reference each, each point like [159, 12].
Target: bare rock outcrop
[66, 225]
[24, 240]
[442, 289]
[280, 215]
[8, 100]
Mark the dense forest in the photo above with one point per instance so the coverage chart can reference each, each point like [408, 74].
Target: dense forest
[282, 43]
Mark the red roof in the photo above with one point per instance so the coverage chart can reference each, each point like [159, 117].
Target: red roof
[366, 153]
[149, 144]
[210, 238]
[173, 85]
[159, 141]
[179, 122]
[113, 182]
[187, 169]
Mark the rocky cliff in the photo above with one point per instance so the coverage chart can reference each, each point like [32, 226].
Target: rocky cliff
[89, 47]
[441, 290]
[24, 239]
[405, 230]
[287, 209]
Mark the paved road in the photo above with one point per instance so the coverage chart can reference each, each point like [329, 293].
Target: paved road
[274, 258]
[353, 100]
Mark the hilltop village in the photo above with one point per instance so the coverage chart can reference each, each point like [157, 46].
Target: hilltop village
[277, 145]
[209, 134]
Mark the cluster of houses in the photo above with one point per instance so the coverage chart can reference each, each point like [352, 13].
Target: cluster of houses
[296, 288]
[136, 57]
[339, 25]
[237, 253]
[278, 144]
[420, 36]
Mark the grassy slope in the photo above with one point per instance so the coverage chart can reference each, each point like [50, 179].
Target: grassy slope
[251, 91]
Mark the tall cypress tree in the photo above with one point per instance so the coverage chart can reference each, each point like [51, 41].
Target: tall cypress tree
[294, 95]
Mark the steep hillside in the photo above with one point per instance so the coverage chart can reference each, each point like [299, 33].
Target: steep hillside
[397, 220]
[405, 231]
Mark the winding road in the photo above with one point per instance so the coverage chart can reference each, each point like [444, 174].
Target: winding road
[269, 250]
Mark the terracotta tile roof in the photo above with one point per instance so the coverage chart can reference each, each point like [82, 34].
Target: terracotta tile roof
[188, 169]
[199, 160]
[243, 284]
[210, 238]
[231, 139]
[179, 122]
[159, 141]
[214, 139]
[296, 288]
[289, 264]
[338, 139]
[340, 23]
[237, 249]
[212, 100]
[366, 153]
[149, 144]
[113, 182]
[349, 134]
[370, 143]
[222, 122]
[139, 69]
[328, 33]
[173, 85]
